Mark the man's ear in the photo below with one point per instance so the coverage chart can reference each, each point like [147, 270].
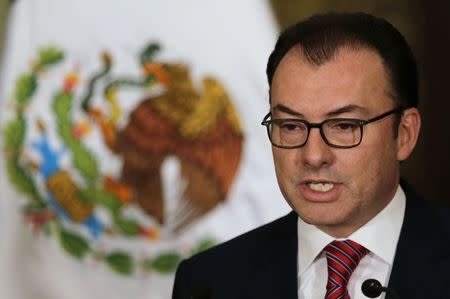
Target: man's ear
[408, 133]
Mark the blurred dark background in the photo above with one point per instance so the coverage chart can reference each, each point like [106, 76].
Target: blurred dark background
[426, 26]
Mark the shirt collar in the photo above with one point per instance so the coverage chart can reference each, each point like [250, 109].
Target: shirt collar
[379, 235]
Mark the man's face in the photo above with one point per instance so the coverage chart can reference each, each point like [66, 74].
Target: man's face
[338, 190]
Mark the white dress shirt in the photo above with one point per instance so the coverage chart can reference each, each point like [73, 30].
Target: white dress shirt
[380, 236]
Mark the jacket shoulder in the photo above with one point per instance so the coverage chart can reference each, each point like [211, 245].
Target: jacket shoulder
[244, 245]
[225, 267]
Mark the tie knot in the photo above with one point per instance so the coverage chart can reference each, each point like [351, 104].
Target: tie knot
[342, 259]
[348, 252]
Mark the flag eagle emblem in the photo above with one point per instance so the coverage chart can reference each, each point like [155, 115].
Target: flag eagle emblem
[68, 195]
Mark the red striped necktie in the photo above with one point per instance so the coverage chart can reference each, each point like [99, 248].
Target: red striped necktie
[342, 259]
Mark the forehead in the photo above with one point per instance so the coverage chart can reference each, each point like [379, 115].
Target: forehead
[351, 77]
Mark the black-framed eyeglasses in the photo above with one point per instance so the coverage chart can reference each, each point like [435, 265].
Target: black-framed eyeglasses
[336, 132]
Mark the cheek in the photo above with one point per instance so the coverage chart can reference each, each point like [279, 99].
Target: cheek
[369, 166]
[285, 164]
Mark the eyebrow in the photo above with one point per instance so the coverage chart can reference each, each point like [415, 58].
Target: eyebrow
[285, 109]
[347, 109]
[333, 113]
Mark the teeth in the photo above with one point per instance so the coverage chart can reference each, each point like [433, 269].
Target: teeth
[321, 187]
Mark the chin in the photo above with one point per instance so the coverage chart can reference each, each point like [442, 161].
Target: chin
[322, 216]
[321, 221]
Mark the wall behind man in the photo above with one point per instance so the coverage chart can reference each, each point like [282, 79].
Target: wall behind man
[3, 17]
[4, 5]
[425, 26]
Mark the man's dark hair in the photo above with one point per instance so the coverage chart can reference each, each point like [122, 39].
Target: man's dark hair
[321, 36]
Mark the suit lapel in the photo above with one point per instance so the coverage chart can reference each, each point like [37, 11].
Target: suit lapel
[422, 252]
[275, 270]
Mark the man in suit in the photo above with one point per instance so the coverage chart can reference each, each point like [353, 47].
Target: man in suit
[343, 115]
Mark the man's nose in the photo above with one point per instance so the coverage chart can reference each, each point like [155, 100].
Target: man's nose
[316, 153]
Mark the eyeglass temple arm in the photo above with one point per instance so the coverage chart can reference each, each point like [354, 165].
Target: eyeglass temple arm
[396, 110]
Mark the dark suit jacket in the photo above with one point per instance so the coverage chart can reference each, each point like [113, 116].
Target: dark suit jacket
[263, 263]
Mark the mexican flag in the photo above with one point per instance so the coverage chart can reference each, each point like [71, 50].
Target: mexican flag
[131, 139]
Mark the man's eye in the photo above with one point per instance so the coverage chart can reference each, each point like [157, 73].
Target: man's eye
[291, 127]
[344, 126]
